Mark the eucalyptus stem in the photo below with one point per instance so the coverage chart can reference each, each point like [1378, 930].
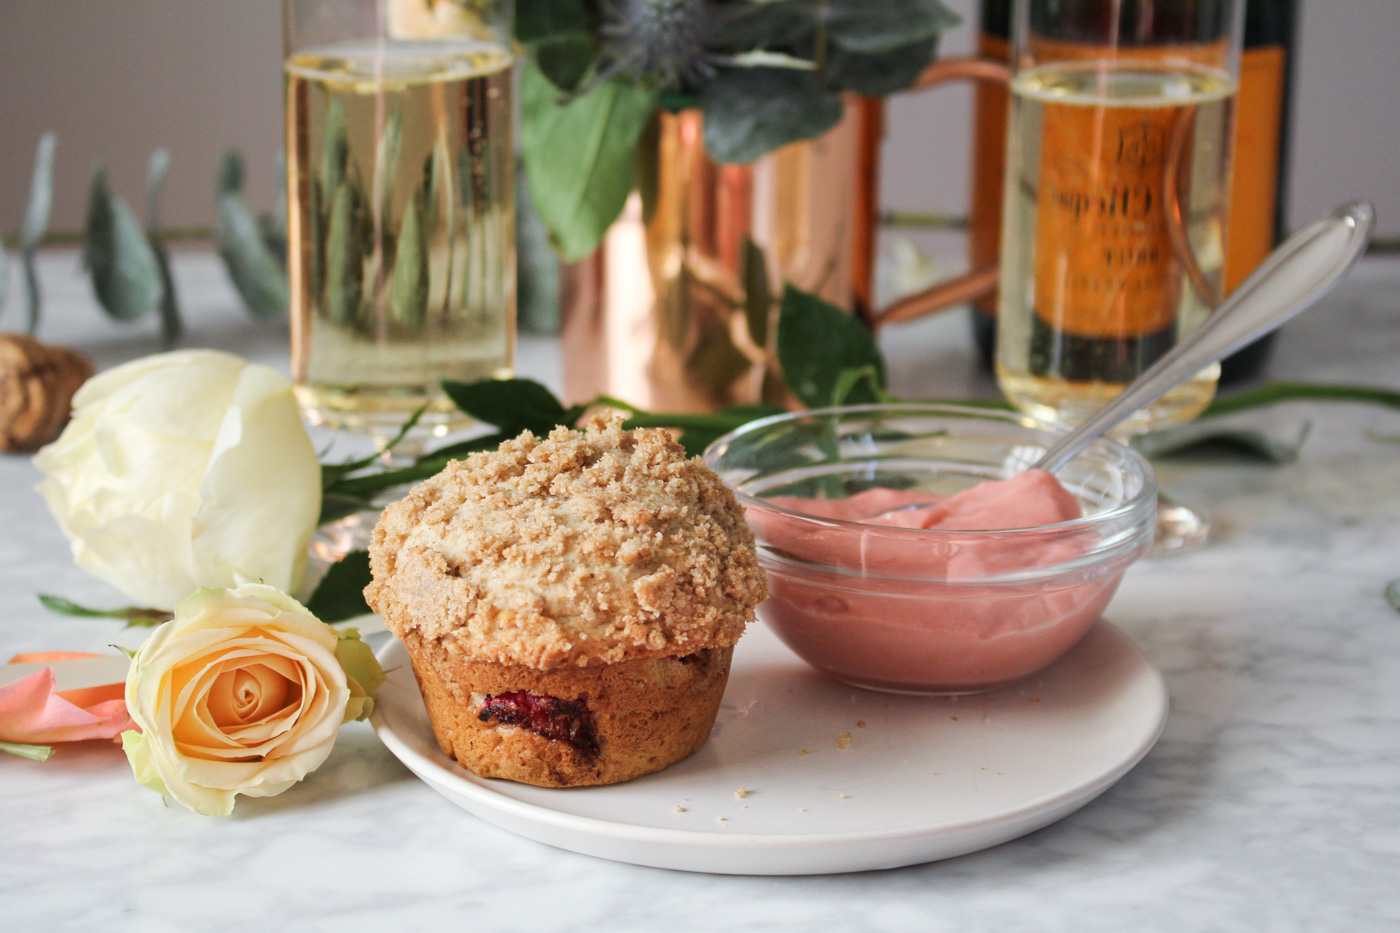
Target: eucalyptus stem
[1275, 392]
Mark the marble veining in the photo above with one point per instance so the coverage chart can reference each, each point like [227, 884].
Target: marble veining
[1272, 801]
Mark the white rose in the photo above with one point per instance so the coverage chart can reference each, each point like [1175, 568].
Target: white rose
[243, 692]
[183, 470]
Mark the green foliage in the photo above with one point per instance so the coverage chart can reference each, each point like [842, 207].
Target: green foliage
[341, 593]
[751, 112]
[169, 307]
[117, 254]
[36, 221]
[818, 343]
[764, 73]
[256, 273]
[580, 156]
[133, 616]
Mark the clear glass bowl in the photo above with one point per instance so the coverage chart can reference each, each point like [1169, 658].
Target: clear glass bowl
[929, 611]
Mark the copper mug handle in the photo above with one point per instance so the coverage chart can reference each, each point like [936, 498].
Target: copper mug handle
[979, 281]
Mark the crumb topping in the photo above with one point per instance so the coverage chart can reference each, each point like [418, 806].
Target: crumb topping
[583, 547]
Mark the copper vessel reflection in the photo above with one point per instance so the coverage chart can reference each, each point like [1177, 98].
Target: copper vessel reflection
[677, 309]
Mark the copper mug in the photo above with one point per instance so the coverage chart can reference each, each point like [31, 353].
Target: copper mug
[676, 310]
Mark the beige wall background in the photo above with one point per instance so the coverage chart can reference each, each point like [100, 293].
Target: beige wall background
[117, 78]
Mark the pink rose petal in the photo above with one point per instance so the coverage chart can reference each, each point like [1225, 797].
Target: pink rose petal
[32, 713]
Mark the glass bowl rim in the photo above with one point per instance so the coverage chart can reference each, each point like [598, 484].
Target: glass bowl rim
[1147, 494]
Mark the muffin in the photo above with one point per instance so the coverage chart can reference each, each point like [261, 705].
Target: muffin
[570, 604]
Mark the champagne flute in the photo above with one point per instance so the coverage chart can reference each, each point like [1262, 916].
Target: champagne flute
[1114, 217]
[400, 174]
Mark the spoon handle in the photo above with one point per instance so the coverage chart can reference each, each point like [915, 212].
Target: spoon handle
[1294, 276]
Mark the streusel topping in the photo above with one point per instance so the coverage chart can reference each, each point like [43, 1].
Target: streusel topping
[584, 547]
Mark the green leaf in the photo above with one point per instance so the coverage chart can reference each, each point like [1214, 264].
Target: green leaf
[580, 157]
[1275, 393]
[386, 163]
[341, 593]
[862, 382]
[36, 211]
[749, 112]
[345, 260]
[758, 293]
[512, 405]
[565, 59]
[124, 269]
[817, 342]
[408, 290]
[1392, 594]
[4, 277]
[338, 505]
[32, 752]
[157, 169]
[871, 28]
[1208, 436]
[461, 448]
[36, 222]
[255, 273]
[133, 616]
[878, 73]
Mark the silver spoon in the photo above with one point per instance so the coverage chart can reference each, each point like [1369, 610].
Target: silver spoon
[1298, 273]
[1288, 282]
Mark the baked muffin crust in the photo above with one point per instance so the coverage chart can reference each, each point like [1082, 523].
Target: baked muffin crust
[583, 548]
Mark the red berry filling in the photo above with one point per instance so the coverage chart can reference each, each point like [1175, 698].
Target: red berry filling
[547, 716]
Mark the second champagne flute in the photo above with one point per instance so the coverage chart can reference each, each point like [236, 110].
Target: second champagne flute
[1114, 218]
[400, 189]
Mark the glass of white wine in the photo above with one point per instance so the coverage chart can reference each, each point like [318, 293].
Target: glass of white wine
[1119, 154]
[400, 174]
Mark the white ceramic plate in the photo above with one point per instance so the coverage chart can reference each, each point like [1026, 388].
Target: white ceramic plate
[835, 779]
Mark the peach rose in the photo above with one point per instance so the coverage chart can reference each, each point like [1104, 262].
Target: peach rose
[242, 692]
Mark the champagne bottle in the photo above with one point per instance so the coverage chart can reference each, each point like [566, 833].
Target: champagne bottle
[1257, 202]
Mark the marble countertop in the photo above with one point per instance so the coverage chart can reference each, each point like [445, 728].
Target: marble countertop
[1272, 800]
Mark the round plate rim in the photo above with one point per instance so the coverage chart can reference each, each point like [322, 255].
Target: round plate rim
[445, 775]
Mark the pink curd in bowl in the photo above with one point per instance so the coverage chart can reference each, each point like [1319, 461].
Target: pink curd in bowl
[909, 550]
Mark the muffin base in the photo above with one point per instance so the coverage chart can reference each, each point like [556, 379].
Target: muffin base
[647, 714]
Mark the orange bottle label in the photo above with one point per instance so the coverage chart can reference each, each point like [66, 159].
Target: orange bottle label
[1258, 134]
[1104, 265]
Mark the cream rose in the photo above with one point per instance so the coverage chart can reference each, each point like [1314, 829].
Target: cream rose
[242, 692]
[183, 470]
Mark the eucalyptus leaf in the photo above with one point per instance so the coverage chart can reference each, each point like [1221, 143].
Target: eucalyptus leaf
[344, 271]
[1211, 437]
[255, 273]
[386, 163]
[512, 405]
[879, 73]
[36, 222]
[340, 595]
[864, 27]
[750, 112]
[764, 25]
[408, 290]
[580, 157]
[118, 256]
[817, 342]
[157, 169]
